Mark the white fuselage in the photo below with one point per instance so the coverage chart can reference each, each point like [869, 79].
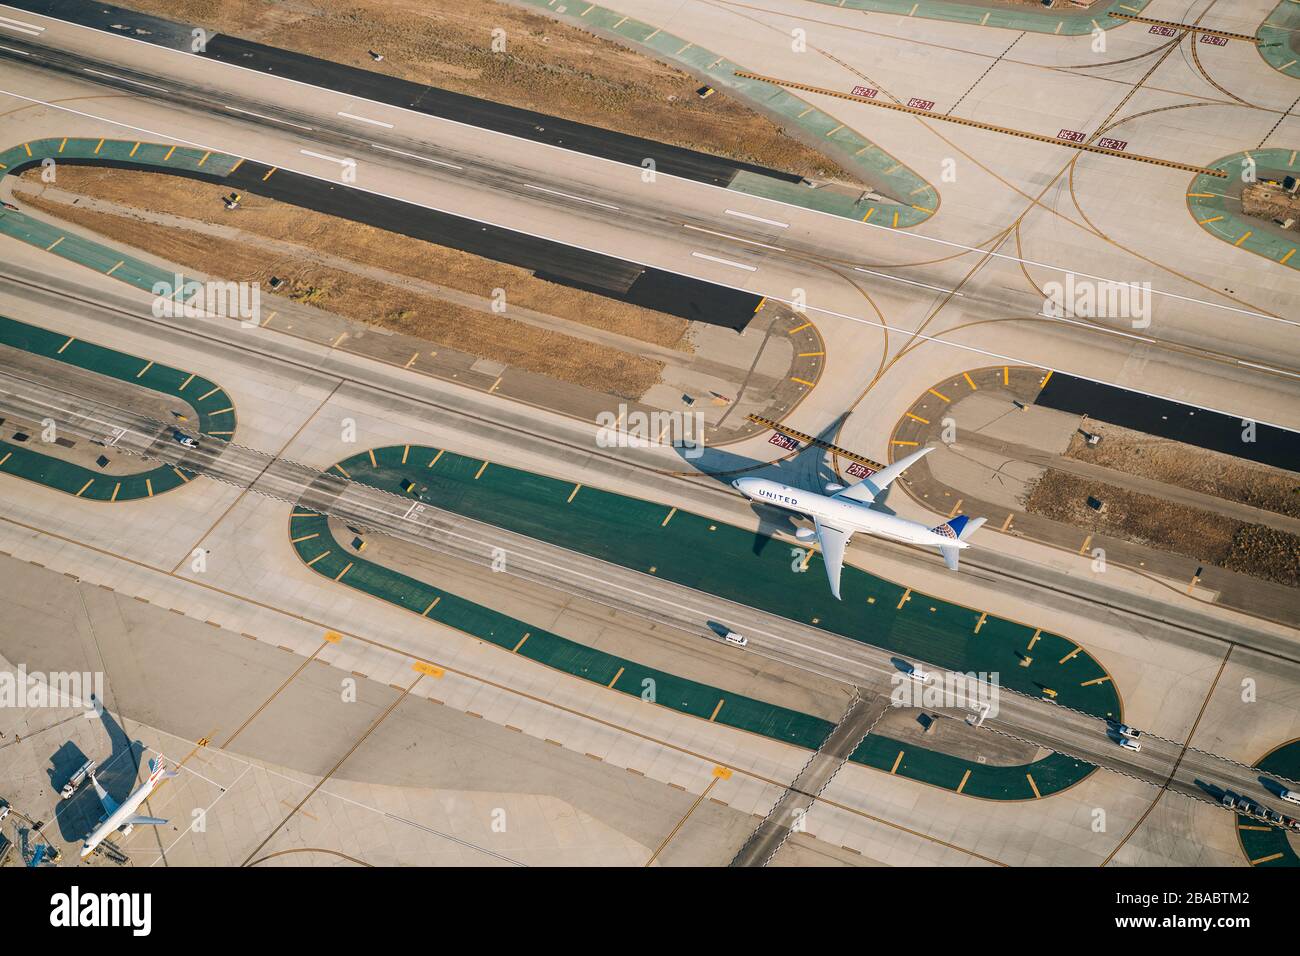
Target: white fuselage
[841, 513]
[123, 813]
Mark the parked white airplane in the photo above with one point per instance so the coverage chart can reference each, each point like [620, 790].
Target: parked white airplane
[123, 816]
[843, 511]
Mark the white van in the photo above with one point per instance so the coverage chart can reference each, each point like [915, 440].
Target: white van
[1129, 743]
[731, 637]
[920, 676]
[1292, 796]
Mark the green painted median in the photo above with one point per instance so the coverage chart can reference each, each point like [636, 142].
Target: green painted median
[216, 413]
[1265, 845]
[1276, 36]
[713, 557]
[1216, 204]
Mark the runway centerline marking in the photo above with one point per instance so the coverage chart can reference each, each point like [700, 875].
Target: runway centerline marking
[769, 222]
[427, 159]
[332, 159]
[923, 285]
[725, 262]
[365, 119]
[556, 192]
[236, 109]
[123, 79]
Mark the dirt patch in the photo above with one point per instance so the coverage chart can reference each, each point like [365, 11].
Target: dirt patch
[547, 66]
[1212, 539]
[1196, 469]
[485, 334]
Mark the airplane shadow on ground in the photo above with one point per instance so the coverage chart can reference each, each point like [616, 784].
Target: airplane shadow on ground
[117, 774]
[808, 469]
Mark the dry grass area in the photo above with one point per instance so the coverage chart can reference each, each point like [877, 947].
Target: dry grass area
[192, 199]
[1195, 469]
[1212, 539]
[367, 300]
[547, 66]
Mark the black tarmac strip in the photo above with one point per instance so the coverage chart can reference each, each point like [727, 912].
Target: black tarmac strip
[1173, 420]
[615, 278]
[470, 110]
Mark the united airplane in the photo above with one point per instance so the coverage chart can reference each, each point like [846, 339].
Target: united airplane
[123, 816]
[842, 511]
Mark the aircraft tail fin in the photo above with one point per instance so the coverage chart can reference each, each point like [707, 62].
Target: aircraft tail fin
[958, 529]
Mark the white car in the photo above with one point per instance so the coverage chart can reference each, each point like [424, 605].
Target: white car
[920, 676]
[1124, 730]
[1128, 743]
[1291, 796]
[731, 637]
[183, 439]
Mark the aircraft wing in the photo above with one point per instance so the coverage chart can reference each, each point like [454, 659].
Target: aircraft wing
[110, 805]
[865, 491]
[152, 821]
[833, 542]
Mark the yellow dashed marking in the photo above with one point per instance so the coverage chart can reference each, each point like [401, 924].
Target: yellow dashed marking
[84, 487]
[1095, 680]
[435, 458]
[1244, 236]
[116, 266]
[51, 246]
[1033, 786]
[897, 761]
[269, 172]
[169, 154]
[481, 468]
[344, 571]
[964, 777]
[573, 494]
[669, 518]
[239, 162]
[900, 442]
[209, 393]
[1046, 378]
[98, 146]
[527, 634]
[342, 471]
[180, 474]
[801, 381]
[966, 375]
[205, 158]
[1265, 859]
[800, 328]
[616, 677]
[938, 395]
[306, 537]
[1072, 653]
[714, 716]
[980, 622]
[148, 486]
[432, 605]
[1034, 640]
[406, 450]
[66, 344]
[918, 418]
[373, 463]
[116, 489]
[907, 596]
[318, 557]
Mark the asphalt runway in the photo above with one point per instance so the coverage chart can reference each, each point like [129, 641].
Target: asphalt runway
[458, 107]
[1278, 447]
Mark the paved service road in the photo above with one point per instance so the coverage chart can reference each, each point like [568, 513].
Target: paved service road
[1161, 762]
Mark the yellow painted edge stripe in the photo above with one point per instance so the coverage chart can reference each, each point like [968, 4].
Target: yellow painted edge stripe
[669, 518]
[573, 494]
[85, 486]
[714, 716]
[897, 761]
[435, 458]
[1033, 786]
[432, 605]
[521, 642]
[344, 571]
[964, 777]
[342, 471]
[71, 339]
[938, 395]
[373, 463]
[616, 677]
[481, 468]
[318, 557]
